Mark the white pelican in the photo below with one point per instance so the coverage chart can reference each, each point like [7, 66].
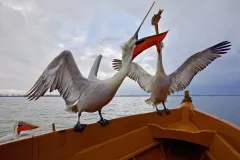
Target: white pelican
[18, 127]
[88, 95]
[161, 85]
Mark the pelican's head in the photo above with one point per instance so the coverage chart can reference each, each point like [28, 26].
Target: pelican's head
[135, 46]
[23, 126]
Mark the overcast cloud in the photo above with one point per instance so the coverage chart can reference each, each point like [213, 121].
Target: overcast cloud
[32, 33]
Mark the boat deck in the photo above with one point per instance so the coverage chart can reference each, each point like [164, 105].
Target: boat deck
[184, 134]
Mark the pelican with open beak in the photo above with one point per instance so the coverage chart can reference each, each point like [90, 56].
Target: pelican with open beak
[18, 133]
[88, 94]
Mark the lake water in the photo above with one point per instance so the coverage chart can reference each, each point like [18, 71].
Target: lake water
[48, 110]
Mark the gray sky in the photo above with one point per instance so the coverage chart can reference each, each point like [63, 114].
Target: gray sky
[32, 33]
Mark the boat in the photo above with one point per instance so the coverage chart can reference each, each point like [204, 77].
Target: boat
[185, 134]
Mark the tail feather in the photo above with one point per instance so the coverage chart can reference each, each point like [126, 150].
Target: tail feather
[150, 102]
[72, 108]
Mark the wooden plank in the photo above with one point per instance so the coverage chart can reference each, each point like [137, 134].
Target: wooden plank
[203, 138]
[221, 150]
[153, 153]
[17, 150]
[228, 131]
[122, 147]
[139, 151]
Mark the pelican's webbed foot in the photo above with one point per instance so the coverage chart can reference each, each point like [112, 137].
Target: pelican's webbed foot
[167, 111]
[79, 127]
[158, 111]
[102, 121]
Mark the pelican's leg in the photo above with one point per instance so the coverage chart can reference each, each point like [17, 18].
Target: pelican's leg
[102, 121]
[79, 127]
[167, 111]
[158, 111]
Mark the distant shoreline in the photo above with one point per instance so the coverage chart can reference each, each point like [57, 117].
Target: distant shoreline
[117, 95]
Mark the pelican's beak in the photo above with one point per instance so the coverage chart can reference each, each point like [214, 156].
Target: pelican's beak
[136, 33]
[147, 42]
[26, 126]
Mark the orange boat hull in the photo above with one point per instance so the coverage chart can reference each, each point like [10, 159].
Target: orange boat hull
[184, 134]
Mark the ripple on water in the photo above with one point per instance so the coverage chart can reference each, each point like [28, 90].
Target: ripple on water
[48, 110]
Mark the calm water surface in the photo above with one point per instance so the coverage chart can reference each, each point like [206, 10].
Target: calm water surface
[48, 110]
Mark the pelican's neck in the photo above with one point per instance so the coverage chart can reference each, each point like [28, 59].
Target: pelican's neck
[15, 133]
[123, 72]
[160, 69]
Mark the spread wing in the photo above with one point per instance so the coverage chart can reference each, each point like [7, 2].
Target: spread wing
[94, 70]
[61, 74]
[182, 77]
[137, 73]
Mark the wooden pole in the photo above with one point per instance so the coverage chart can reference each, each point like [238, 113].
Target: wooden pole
[186, 94]
[53, 127]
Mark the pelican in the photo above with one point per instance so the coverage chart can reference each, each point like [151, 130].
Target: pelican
[88, 94]
[161, 85]
[18, 127]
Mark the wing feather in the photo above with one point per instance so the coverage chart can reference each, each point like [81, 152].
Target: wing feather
[182, 77]
[61, 74]
[136, 73]
[94, 70]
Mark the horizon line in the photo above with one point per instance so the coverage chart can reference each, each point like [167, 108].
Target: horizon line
[19, 95]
